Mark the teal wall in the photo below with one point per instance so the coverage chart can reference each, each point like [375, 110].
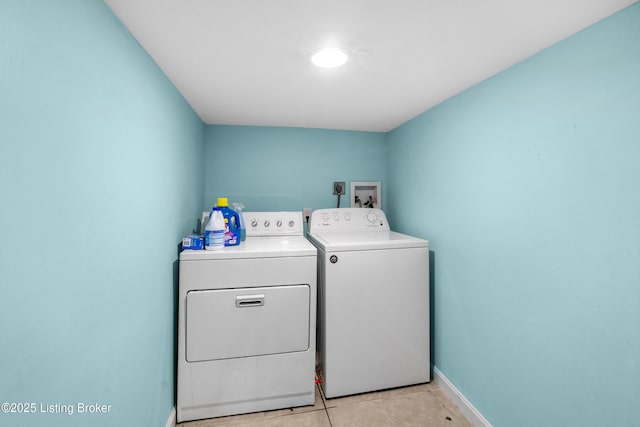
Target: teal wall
[100, 177]
[272, 168]
[526, 186]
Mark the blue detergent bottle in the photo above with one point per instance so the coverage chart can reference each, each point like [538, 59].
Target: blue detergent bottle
[232, 233]
[243, 229]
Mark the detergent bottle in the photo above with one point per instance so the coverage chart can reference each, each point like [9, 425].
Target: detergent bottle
[243, 231]
[231, 222]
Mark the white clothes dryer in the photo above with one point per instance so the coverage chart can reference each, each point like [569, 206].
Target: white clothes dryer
[373, 302]
[247, 322]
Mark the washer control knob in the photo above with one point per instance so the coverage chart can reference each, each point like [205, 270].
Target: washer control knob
[254, 223]
[292, 223]
[279, 223]
[371, 217]
[347, 216]
[267, 223]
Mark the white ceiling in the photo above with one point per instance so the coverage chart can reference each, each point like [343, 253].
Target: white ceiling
[246, 62]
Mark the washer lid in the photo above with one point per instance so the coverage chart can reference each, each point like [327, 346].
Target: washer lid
[360, 241]
[256, 247]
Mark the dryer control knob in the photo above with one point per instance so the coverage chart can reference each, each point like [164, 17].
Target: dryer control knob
[292, 223]
[371, 217]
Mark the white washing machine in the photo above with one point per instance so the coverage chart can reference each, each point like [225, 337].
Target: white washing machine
[247, 322]
[373, 302]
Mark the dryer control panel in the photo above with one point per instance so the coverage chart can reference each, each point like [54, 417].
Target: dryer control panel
[348, 220]
[264, 224]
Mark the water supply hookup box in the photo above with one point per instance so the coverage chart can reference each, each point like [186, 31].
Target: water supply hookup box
[366, 194]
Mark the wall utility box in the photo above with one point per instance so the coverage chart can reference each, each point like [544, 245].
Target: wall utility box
[366, 194]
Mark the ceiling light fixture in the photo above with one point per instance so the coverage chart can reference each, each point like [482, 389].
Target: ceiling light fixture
[329, 58]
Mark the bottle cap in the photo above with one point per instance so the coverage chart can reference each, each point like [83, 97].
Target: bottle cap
[222, 202]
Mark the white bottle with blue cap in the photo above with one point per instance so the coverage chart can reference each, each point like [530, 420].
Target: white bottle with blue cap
[214, 231]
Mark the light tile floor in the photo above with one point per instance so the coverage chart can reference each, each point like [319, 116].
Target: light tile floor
[423, 405]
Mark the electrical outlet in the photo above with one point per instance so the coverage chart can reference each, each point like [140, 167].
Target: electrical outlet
[338, 188]
[306, 214]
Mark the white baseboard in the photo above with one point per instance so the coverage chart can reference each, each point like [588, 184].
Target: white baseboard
[171, 422]
[468, 410]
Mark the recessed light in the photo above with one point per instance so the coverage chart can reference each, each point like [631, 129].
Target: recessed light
[329, 58]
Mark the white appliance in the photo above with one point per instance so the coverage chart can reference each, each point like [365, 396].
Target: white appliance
[247, 322]
[373, 302]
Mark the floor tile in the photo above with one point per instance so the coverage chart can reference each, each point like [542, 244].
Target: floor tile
[255, 419]
[318, 418]
[445, 401]
[423, 408]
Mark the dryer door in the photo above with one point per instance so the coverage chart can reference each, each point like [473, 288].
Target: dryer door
[230, 323]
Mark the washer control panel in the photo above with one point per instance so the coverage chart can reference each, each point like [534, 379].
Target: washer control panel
[261, 224]
[348, 220]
